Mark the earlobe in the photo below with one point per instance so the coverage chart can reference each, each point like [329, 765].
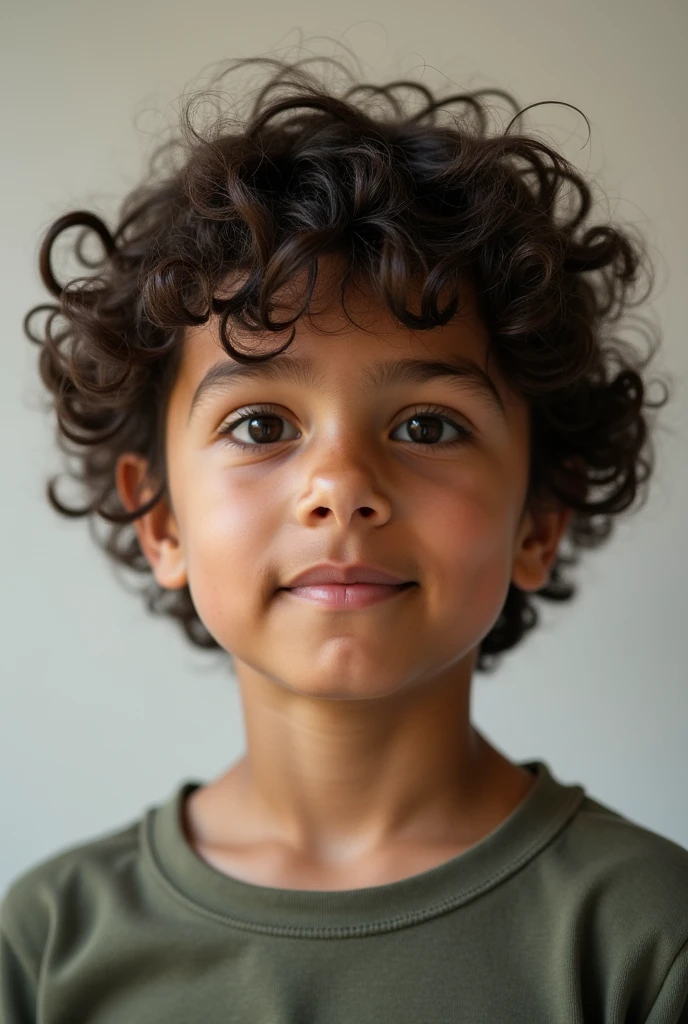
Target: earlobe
[537, 545]
[157, 530]
[170, 569]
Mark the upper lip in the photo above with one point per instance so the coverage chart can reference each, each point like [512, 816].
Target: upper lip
[330, 572]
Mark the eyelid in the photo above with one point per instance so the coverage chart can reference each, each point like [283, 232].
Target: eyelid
[266, 409]
[246, 411]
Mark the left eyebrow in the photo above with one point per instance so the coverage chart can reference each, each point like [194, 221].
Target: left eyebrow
[302, 370]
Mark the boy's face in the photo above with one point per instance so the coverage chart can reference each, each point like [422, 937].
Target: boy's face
[349, 480]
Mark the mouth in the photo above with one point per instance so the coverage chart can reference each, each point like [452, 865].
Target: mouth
[348, 596]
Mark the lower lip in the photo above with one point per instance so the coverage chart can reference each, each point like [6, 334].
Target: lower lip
[348, 596]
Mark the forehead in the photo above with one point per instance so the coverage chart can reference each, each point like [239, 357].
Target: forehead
[340, 344]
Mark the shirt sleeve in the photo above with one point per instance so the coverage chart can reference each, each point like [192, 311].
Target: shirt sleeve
[18, 980]
[671, 1005]
[19, 966]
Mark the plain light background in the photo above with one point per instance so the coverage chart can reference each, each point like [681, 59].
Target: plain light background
[105, 709]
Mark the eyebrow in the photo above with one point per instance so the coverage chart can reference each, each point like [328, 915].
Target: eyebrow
[302, 370]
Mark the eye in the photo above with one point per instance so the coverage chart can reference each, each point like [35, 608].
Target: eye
[262, 424]
[425, 426]
[267, 431]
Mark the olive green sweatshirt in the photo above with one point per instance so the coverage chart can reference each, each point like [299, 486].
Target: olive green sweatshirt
[566, 912]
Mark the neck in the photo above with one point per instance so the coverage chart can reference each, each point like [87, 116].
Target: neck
[339, 780]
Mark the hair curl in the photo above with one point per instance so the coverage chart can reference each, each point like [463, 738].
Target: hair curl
[402, 197]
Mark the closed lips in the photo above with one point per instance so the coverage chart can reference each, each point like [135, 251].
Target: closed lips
[346, 575]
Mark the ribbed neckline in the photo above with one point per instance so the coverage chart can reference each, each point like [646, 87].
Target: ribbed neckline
[545, 810]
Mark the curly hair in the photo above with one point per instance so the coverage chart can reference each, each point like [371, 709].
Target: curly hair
[404, 197]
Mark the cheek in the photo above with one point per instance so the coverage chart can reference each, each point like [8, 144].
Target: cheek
[466, 540]
[469, 525]
[228, 550]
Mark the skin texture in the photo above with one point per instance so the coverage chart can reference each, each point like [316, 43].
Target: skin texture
[362, 765]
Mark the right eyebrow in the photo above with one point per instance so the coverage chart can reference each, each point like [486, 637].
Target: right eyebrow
[301, 370]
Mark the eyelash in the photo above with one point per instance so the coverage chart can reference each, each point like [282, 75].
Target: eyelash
[260, 410]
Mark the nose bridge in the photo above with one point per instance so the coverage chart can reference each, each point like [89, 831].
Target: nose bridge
[342, 468]
[342, 435]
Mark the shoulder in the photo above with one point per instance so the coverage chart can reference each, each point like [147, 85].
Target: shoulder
[614, 895]
[33, 900]
[618, 858]
[625, 850]
[622, 892]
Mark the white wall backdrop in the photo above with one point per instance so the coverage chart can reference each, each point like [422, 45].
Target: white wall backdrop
[104, 708]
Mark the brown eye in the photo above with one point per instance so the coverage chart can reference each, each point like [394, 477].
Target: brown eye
[261, 426]
[426, 429]
[264, 428]
[427, 426]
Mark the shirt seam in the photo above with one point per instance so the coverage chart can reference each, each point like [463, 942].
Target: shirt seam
[548, 833]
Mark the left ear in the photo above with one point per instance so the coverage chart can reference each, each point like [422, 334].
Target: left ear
[537, 544]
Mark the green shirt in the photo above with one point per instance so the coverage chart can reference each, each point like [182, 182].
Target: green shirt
[566, 912]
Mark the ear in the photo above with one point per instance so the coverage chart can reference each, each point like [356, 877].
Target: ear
[157, 529]
[537, 544]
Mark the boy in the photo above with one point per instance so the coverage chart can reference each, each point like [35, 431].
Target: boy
[360, 515]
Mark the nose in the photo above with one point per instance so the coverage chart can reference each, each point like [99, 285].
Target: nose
[341, 494]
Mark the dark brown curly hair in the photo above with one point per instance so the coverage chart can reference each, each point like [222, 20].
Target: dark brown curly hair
[404, 198]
